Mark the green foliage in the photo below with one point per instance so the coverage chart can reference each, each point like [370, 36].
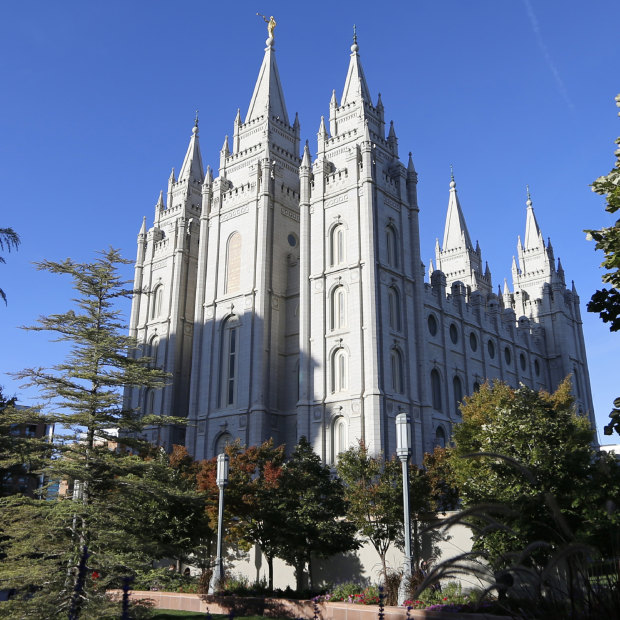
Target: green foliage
[313, 507]
[126, 509]
[8, 239]
[373, 491]
[607, 301]
[528, 457]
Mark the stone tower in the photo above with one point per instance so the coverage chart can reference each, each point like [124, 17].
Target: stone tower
[246, 347]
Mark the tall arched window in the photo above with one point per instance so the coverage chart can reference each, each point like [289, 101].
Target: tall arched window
[336, 245]
[153, 351]
[397, 371]
[394, 308]
[391, 244]
[440, 437]
[230, 362]
[158, 296]
[338, 308]
[233, 264]
[223, 439]
[339, 370]
[436, 389]
[339, 437]
[457, 388]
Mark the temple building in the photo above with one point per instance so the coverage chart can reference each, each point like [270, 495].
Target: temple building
[285, 292]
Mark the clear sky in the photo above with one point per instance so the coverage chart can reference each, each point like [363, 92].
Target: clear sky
[98, 102]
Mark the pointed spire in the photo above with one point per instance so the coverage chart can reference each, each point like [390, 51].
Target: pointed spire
[225, 148]
[160, 201]
[487, 271]
[366, 132]
[171, 178]
[238, 117]
[142, 232]
[355, 84]
[431, 269]
[333, 102]
[410, 166]
[208, 176]
[455, 233]
[379, 105]
[268, 96]
[322, 129]
[560, 269]
[506, 289]
[533, 236]
[305, 162]
[192, 164]
[296, 122]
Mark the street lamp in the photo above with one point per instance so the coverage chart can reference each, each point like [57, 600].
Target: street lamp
[403, 451]
[221, 480]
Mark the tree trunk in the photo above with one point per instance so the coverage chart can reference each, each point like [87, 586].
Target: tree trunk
[299, 574]
[270, 568]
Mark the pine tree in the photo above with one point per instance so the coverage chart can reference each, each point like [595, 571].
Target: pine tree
[8, 239]
[107, 524]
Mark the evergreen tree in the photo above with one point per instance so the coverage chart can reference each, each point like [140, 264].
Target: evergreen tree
[607, 301]
[8, 239]
[103, 530]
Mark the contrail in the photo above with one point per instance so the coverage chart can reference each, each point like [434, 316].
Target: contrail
[547, 55]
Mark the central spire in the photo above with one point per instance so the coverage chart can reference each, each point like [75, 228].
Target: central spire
[355, 86]
[456, 231]
[268, 97]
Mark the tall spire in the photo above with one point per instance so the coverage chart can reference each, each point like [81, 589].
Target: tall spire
[533, 236]
[192, 164]
[456, 230]
[355, 86]
[268, 96]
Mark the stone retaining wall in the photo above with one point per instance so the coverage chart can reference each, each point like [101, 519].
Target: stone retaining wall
[286, 608]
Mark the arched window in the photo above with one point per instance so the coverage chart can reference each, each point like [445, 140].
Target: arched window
[233, 264]
[223, 439]
[436, 389]
[153, 351]
[457, 388]
[394, 308]
[158, 296]
[440, 437]
[339, 370]
[336, 245]
[397, 371]
[230, 362]
[339, 437]
[391, 244]
[338, 308]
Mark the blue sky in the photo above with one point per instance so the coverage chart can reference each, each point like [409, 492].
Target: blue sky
[99, 100]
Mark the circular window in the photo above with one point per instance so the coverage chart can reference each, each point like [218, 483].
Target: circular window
[491, 349]
[522, 361]
[292, 240]
[507, 356]
[432, 324]
[473, 341]
[454, 333]
[536, 367]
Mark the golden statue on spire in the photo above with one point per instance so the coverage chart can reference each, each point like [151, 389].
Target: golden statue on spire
[271, 23]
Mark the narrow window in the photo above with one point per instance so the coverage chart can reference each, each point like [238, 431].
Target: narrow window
[221, 442]
[507, 356]
[230, 357]
[473, 341]
[339, 371]
[338, 308]
[397, 371]
[233, 264]
[158, 295]
[394, 308]
[336, 244]
[149, 401]
[454, 333]
[391, 244]
[432, 324]
[436, 389]
[576, 382]
[440, 437]
[153, 351]
[339, 438]
[457, 388]
[491, 349]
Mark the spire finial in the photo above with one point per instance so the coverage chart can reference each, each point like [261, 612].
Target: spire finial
[271, 24]
[452, 181]
[196, 119]
[355, 46]
[529, 197]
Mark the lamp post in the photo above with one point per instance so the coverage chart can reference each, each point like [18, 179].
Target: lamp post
[222, 481]
[403, 451]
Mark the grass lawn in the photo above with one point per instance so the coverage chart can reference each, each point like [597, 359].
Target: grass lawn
[170, 614]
